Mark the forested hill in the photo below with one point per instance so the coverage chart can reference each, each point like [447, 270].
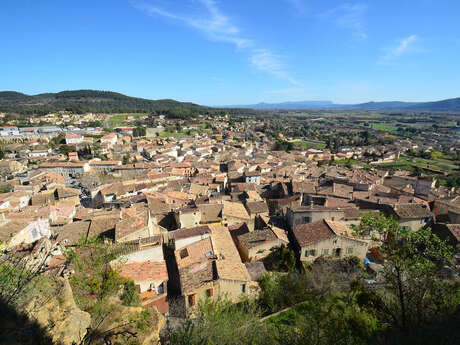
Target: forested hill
[82, 101]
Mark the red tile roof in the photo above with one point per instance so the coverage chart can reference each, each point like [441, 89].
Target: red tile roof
[306, 234]
[147, 270]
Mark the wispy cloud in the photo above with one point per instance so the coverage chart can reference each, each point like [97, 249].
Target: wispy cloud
[349, 16]
[266, 61]
[217, 26]
[403, 46]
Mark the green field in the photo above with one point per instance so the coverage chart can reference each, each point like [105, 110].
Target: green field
[118, 120]
[441, 165]
[387, 127]
[305, 144]
[173, 134]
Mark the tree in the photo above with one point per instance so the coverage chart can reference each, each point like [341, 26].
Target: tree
[139, 131]
[435, 154]
[414, 294]
[130, 297]
[285, 258]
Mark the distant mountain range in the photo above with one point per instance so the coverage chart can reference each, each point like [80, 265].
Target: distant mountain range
[448, 105]
[81, 101]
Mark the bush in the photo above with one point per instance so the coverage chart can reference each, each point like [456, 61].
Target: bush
[130, 297]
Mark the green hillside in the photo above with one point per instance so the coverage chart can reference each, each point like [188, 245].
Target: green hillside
[82, 101]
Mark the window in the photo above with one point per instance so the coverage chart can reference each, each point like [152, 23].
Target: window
[325, 251]
[350, 250]
[243, 288]
[306, 219]
[183, 253]
[191, 300]
[312, 252]
[160, 289]
[209, 292]
[34, 233]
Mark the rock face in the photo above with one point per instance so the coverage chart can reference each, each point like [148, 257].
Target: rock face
[60, 316]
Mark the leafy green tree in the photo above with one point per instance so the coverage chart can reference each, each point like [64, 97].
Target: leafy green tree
[285, 258]
[139, 131]
[413, 294]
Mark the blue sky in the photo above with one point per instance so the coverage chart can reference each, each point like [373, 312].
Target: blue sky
[221, 52]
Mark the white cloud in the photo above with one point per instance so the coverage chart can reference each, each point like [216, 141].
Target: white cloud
[266, 61]
[401, 48]
[349, 16]
[217, 26]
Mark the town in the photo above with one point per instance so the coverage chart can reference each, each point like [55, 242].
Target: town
[203, 208]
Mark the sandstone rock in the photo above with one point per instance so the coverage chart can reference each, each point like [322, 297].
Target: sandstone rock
[60, 316]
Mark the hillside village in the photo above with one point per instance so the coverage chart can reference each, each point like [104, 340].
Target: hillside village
[199, 215]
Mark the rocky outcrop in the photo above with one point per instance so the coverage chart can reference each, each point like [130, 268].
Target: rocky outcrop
[60, 316]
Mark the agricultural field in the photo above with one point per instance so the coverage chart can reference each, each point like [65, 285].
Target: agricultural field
[441, 165]
[173, 134]
[119, 120]
[306, 144]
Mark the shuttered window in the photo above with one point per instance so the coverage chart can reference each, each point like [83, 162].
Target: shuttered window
[191, 300]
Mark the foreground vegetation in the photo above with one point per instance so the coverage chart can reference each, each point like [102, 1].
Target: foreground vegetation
[413, 304]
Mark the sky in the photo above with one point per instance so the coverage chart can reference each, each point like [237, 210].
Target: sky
[233, 52]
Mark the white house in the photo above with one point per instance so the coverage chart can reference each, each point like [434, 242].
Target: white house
[73, 138]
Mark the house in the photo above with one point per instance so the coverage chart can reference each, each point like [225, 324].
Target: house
[146, 267]
[234, 213]
[136, 224]
[424, 185]
[73, 139]
[258, 244]
[298, 215]
[66, 169]
[195, 270]
[103, 166]
[15, 232]
[6, 131]
[449, 233]
[255, 210]
[38, 153]
[211, 213]
[185, 237]
[183, 169]
[319, 239]
[10, 167]
[411, 215]
[109, 139]
[252, 177]
[70, 234]
[73, 156]
[150, 278]
[212, 268]
[189, 217]
[67, 196]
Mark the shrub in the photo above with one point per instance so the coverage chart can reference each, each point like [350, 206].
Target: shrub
[130, 297]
